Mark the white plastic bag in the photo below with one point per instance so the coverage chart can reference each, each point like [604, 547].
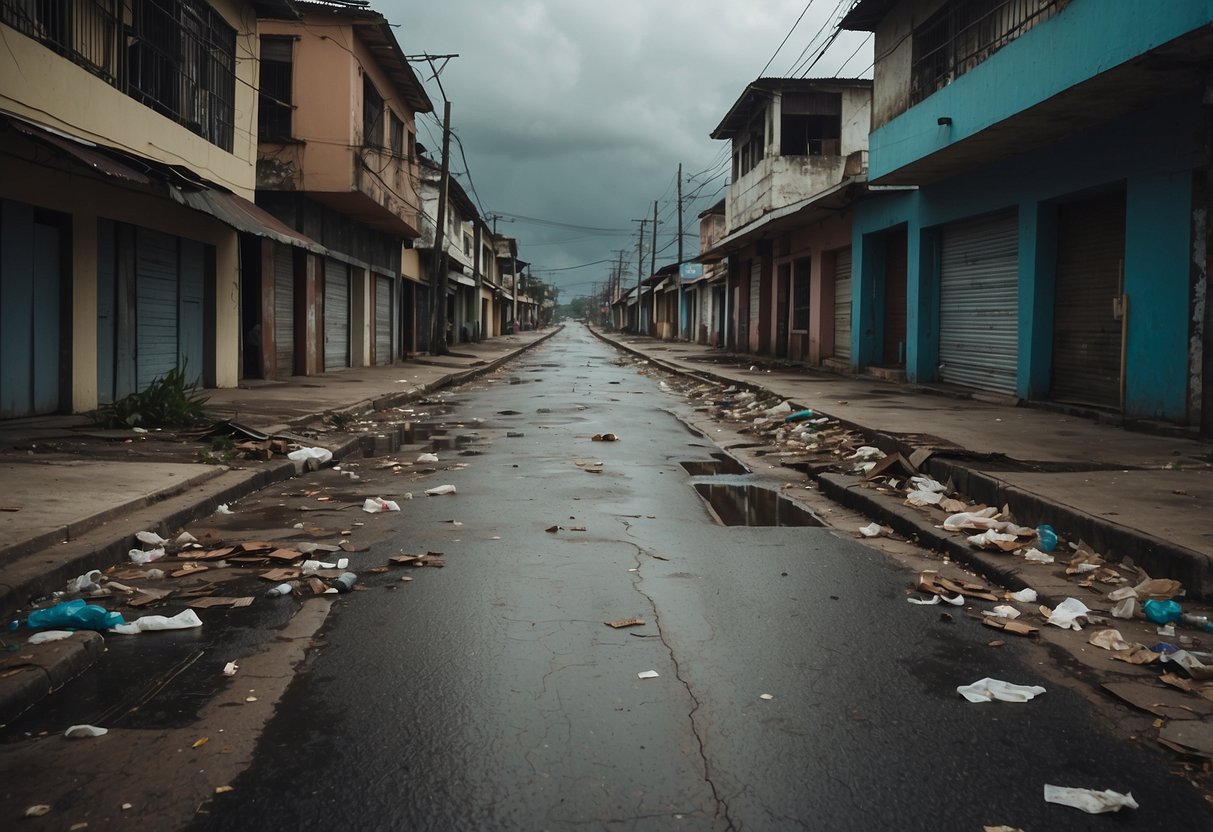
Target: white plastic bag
[428, 458]
[440, 490]
[139, 556]
[152, 538]
[181, 621]
[80, 732]
[1089, 800]
[377, 505]
[1067, 613]
[988, 690]
[321, 455]
[88, 582]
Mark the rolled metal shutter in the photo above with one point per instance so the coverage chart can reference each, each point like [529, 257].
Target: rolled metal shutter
[190, 309]
[155, 305]
[1086, 335]
[383, 319]
[842, 304]
[979, 303]
[284, 311]
[336, 316]
[755, 306]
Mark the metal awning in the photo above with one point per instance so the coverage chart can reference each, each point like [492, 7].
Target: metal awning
[461, 279]
[243, 215]
[85, 151]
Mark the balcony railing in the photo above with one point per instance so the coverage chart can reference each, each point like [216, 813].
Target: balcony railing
[963, 34]
[176, 56]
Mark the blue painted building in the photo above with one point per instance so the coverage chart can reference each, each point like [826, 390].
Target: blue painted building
[1040, 214]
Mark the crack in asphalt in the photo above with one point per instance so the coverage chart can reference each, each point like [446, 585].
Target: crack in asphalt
[722, 806]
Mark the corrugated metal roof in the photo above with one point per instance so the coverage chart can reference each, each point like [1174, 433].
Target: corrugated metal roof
[86, 152]
[243, 215]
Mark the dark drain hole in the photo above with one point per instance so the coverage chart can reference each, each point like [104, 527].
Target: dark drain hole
[752, 505]
[720, 463]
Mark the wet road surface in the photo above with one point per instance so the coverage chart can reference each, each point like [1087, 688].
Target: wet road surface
[490, 695]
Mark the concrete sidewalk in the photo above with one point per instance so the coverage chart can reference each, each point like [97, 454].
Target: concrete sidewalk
[72, 496]
[1127, 494]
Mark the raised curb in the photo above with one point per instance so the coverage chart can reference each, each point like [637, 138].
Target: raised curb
[52, 665]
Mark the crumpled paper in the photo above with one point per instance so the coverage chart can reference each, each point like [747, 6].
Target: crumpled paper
[1067, 613]
[1089, 800]
[1109, 640]
[987, 690]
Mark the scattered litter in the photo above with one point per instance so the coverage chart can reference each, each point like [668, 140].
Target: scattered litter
[185, 538]
[78, 732]
[198, 743]
[1089, 800]
[377, 505]
[604, 437]
[766, 696]
[798, 416]
[1067, 614]
[1167, 703]
[647, 674]
[1193, 737]
[927, 484]
[44, 636]
[1002, 611]
[223, 789]
[222, 601]
[151, 538]
[230, 669]
[865, 453]
[625, 622]
[780, 409]
[1159, 589]
[988, 690]
[1046, 537]
[139, 556]
[924, 498]
[991, 539]
[1008, 625]
[1026, 596]
[1109, 640]
[1161, 612]
[88, 582]
[37, 811]
[926, 602]
[427, 458]
[1037, 556]
[184, 620]
[439, 490]
[223, 509]
[874, 530]
[302, 455]
[73, 615]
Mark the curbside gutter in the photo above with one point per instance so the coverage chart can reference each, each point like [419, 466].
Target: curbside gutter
[99, 546]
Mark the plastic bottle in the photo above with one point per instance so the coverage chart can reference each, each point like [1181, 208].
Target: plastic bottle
[281, 589]
[1199, 622]
[345, 583]
[1047, 538]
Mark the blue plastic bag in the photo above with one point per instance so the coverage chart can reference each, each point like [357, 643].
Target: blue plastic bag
[74, 615]
[1162, 612]
[798, 416]
[1047, 538]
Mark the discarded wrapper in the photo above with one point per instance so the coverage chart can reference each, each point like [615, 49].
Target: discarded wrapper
[1089, 800]
[377, 505]
[988, 690]
[647, 674]
[440, 490]
[77, 732]
[230, 669]
[625, 622]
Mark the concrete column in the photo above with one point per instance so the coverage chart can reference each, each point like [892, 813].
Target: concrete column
[922, 302]
[867, 306]
[227, 310]
[1037, 284]
[360, 317]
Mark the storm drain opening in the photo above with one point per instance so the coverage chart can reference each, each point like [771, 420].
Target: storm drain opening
[752, 505]
[720, 463]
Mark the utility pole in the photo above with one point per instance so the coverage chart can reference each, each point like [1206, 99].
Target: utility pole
[438, 279]
[678, 321]
[653, 267]
[639, 267]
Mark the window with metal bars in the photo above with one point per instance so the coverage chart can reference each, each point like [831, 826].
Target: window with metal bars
[275, 104]
[964, 33]
[372, 115]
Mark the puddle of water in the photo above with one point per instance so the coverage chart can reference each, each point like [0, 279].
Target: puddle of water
[752, 505]
[720, 463]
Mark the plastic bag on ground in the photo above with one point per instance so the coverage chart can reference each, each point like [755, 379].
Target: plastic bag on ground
[152, 538]
[866, 452]
[321, 455]
[1089, 800]
[778, 410]
[181, 621]
[1002, 611]
[983, 519]
[139, 556]
[88, 582]
[440, 490]
[376, 505]
[44, 636]
[1109, 640]
[1125, 608]
[1067, 614]
[428, 458]
[988, 690]
[924, 498]
[927, 484]
[871, 530]
[78, 732]
[1037, 556]
[73, 615]
[1027, 595]
[991, 539]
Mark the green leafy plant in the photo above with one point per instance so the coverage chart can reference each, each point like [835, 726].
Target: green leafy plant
[168, 402]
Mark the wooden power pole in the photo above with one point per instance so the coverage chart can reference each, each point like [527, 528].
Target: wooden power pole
[438, 278]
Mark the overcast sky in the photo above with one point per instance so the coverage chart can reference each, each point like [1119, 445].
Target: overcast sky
[577, 113]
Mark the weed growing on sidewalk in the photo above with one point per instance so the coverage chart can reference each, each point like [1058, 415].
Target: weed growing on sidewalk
[168, 402]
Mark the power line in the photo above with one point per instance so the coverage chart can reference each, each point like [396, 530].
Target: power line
[803, 11]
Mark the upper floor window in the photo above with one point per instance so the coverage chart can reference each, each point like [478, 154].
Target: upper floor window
[397, 136]
[749, 150]
[467, 244]
[811, 124]
[964, 33]
[176, 56]
[372, 114]
[274, 101]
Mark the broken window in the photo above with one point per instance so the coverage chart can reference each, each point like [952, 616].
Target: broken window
[274, 102]
[811, 124]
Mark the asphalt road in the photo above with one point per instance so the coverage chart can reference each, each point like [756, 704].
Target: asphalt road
[490, 695]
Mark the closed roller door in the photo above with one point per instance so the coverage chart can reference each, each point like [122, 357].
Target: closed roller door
[336, 316]
[284, 312]
[978, 304]
[842, 304]
[189, 310]
[1086, 335]
[755, 315]
[155, 305]
[895, 300]
[383, 320]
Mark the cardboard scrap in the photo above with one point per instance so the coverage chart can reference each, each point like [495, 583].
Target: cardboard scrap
[1010, 625]
[931, 581]
[284, 555]
[213, 554]
[279, 575]
[1193, 738]
[1160, 701]
[188, 569]
[625, 622]
[148, 596]
[220, 601]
